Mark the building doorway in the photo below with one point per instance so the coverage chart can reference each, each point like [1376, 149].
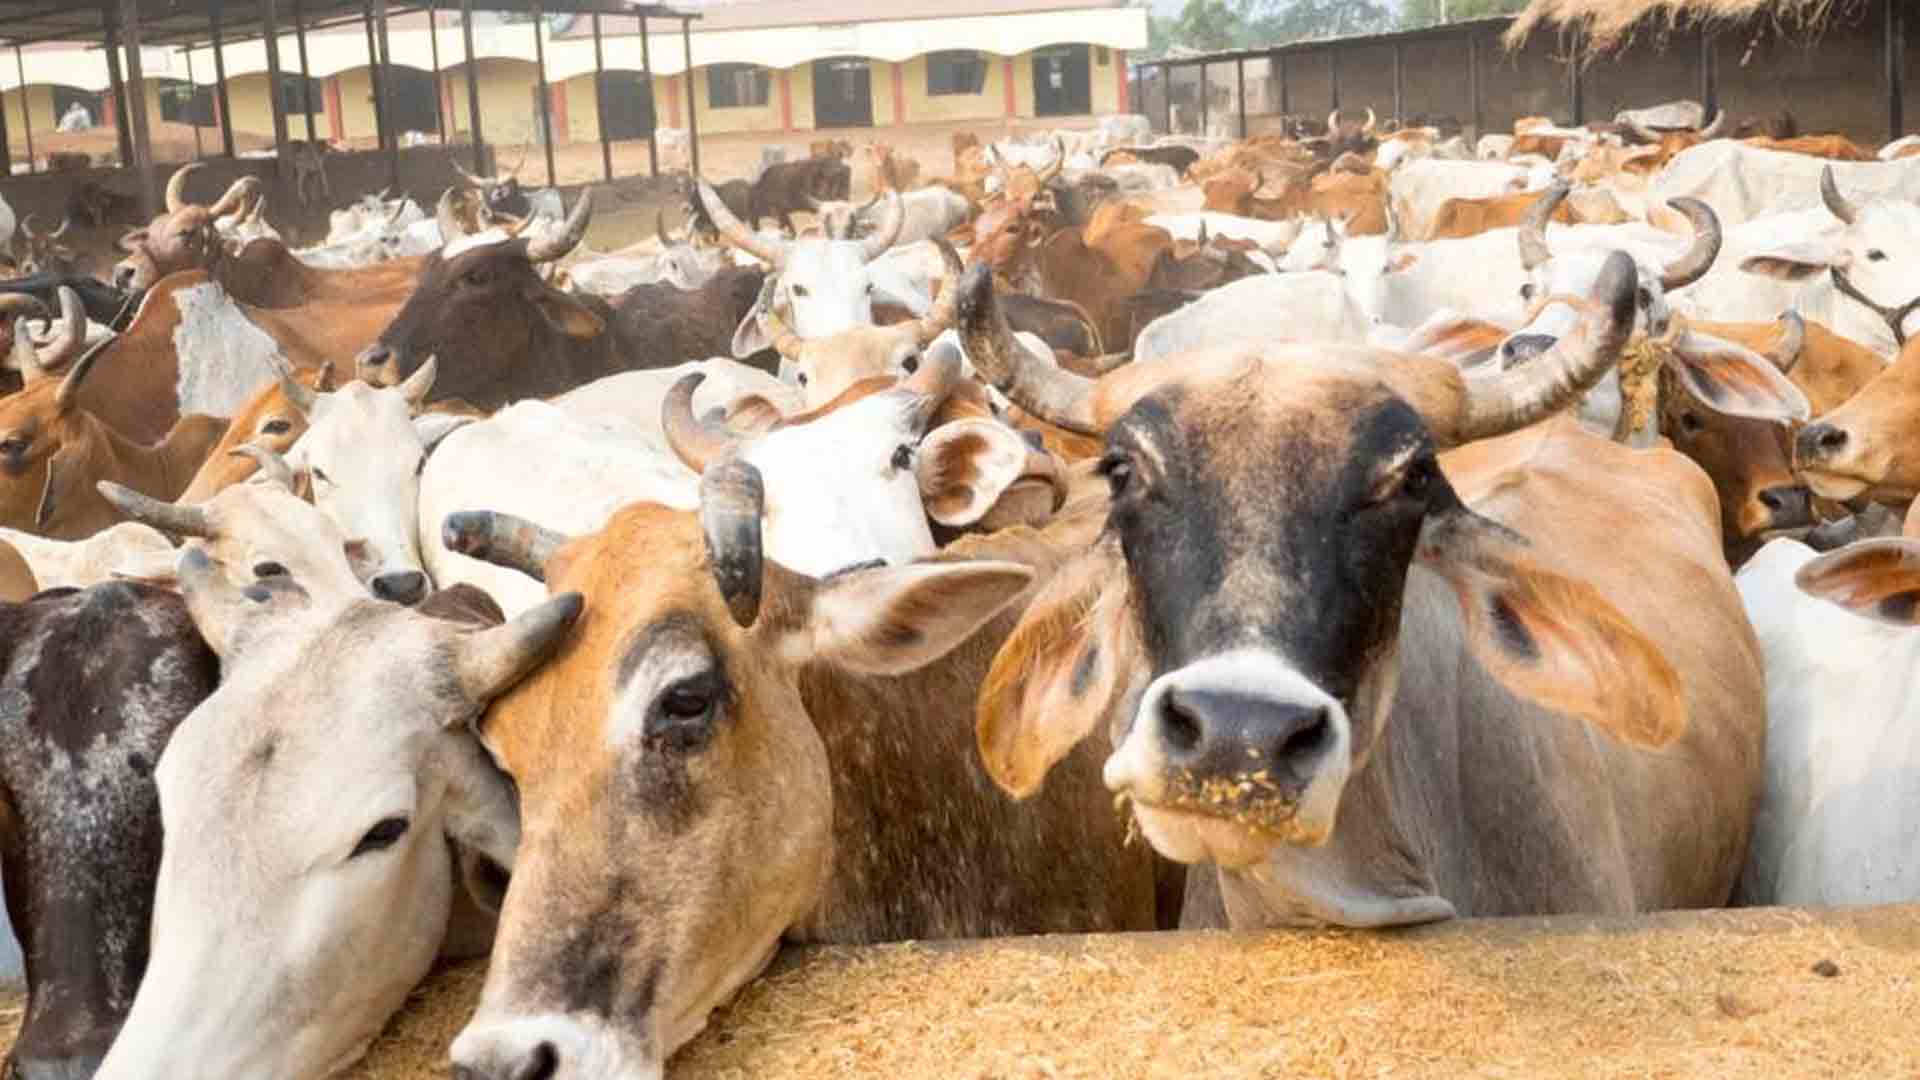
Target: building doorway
[1062, 81]
[627, 98]
[842, 93]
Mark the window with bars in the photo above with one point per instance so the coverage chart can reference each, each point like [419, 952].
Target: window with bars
[956, 71]
[738, 86]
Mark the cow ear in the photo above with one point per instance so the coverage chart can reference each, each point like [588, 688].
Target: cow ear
[1066, 667]
[965, 466]
[482, 820]
[890, 620]
[63, 472]
[749, 337]
[1736, 381]
[1794, 261]
[1879, 579]
[567, 315]
[433, 427]
[1549, 639]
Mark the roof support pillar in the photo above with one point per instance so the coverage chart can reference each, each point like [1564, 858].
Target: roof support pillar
[384, 91]
[270, 27]
[439, 100]
[600, 101]
[1286, 96]
[693, 125]
[1576, 95]
[122, 129]
[220, 82]
[1896, 69]
[546, 106]
[26, 114]
[473, 89]
[374, 76]
[1166, 97]
[1333, 78]
[1240, 78]
[1473, 84]
[1203, 99]
[653, 114]
[137, 107]
[306, 71]
[199, 151]
[1399, 88]
[6, 151]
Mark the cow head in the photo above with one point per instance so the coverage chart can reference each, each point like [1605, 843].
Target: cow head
[1874, 260]
[182, 238]
[45, 253]
[677, 806]
[270, 421]
[1572, 273]
[481, 298]
[1239, 628]
[312, 808]
[501, 195]
[96, 681]
[363, 456]
[48, 443]
[823, 286]
[1865, 448]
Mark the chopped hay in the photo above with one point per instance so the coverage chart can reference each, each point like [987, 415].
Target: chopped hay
[1733, 995]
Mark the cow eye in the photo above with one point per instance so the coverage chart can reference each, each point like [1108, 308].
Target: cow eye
[799, 290]
[476, 279]
[381, 837]
[320, 477]
[14, 446]
[681, 720]
[911, 363]
[1418, 479]
[1118, 471]
[1644, 297]
[1526, 291]
[276, 426]
[269, 569]
[1690, 423]
[902, 457]
[1876, 255]
[801, 378]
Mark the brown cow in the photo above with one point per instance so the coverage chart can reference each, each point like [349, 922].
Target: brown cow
[1827, 367]
[68, 161]
[269, 421]
[1470, 217]
[1867, 447]
[1834, 147]
[53, 451]
[16, 577]
[729, 755]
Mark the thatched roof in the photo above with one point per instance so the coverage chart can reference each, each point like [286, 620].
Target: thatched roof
[1607, 23]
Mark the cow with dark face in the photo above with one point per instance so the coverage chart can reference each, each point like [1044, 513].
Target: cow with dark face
[92, 685]
[1366, 703]
[791, 186]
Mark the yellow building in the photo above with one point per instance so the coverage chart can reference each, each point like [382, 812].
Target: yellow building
[757, 65]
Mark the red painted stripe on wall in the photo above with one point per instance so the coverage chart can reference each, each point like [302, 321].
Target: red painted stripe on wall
[786, 100]
[1120, 77]
[110, 117]
[1007, 79]
[557, 107]
[449, 120]
[899, 93]
[336, 123]
[673, 101]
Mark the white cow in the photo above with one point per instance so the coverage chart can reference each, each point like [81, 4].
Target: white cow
[1836, 824]
[1742, 182]
[929, 212]
[313, 806]
[1311, 306]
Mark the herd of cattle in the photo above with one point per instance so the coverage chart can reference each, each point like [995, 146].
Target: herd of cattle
[1400, 528]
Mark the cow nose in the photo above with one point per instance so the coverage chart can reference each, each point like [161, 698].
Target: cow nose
[1817, 441]
[403, 587]
[1223, 733]
[1788, 506]
[1521, 348]
[78, 1067]
[374, 355]
[123, 277]
[541, 1061]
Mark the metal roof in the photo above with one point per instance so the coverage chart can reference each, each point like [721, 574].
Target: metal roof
[1314, 45]
[189, 22]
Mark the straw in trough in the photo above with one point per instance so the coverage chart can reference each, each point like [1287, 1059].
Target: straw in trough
[1608, 23]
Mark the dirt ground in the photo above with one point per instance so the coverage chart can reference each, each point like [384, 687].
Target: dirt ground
[1769, 994]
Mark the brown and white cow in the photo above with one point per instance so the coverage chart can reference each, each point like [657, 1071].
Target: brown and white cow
[1366, 703]
[729, 755]
[1866, 448]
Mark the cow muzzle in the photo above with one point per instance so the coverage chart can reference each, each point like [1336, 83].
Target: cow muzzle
[77, 1067]
[549, 1047]
[1788, 506]
[1242, 739]
[377, 365]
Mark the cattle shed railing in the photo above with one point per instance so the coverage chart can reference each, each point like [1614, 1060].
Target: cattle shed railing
[1854, 77]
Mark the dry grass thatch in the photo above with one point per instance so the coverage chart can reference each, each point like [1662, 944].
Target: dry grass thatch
[1608, 23]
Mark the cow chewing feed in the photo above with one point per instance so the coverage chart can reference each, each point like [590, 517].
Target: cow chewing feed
[313, 807]
[753, 755]
[93, 684]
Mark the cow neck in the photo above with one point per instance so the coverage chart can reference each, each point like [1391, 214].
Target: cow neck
[266, 275]
[163, 469]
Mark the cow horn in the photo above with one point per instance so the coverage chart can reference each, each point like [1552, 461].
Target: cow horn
[66, 222]
[1698, 259]
[65, 397]
[323, 382]
[946, 306]
[64, 342]
[1057, 165]
[554, 245]
[503, 540]
[731, 499]
[697, 443]
[177, 187]
[26, 226]
[1037, 385]
[1896, 317]
[271, 465]
[490, 661]
[734, 232]
[1533, 229]
[450, 227]
[471, 179]
[1836, 202]
[399, 208]
[419, 384]
[1511, 400]
[1712, 130]
[1793, 337]
[236, 195]
[660, 228]
[173, 518]
[1333, 121]
[883, 236]
[302, 397]
[1371, 120]
[1644, 133]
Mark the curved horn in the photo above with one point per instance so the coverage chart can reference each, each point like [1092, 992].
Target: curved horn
[946, 306]
[1793, 337]
[1896, 318]
[697, 443]
[1644, 133]
[323, 382]
[1713, 130]
[302, 397]
[1836, 202]
[72, 332]
[734, 232]
[419, 384]
[1698, 259]
[165, 516]
[471, 179]
[271, 465]
[399, 208]
[660, 227]
[450, 227]
[731, 498]
[1368, 129]
[177, 187]
[1035, 384]
[1533, 229]
[503, 540]
[65, 397]
[1333, 121]
[490, 661]
[785, 341]
[26, 226]
[554, 245]
[1057, 166]
[1532, 392]
[888, 231]
[236, 195]
[66, 222]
